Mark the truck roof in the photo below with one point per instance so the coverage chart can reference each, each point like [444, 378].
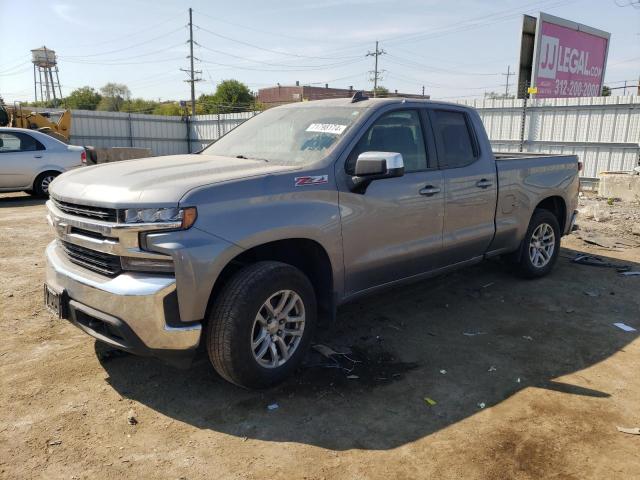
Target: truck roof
[367, 103]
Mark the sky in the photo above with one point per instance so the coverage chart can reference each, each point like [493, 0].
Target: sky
[455, 49]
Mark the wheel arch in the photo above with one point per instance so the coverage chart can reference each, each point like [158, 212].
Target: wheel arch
[556, 205]
[303, 253]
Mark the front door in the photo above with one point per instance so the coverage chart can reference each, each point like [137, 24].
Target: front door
[20, 158]
[393, 230]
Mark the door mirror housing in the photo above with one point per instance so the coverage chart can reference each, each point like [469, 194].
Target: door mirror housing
[372, 166]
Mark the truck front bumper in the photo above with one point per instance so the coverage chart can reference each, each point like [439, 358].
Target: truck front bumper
[135, 312]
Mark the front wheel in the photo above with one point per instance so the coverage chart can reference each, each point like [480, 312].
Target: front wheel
[541, 245]
[261, 324]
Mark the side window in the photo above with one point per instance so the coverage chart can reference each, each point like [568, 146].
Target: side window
[453, 139]
[9, 143]
[28, 143]
[18, 142]
[398, 131]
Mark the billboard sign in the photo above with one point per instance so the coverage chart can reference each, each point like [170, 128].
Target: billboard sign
[569, 58]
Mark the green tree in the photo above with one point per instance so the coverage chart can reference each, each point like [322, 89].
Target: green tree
[230, 96]
[381, 91]
[606, 91]
[168, 108]
[114, 96]
[139, 105]
[84, 98]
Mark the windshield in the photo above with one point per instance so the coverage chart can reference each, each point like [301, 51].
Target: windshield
[296, 136]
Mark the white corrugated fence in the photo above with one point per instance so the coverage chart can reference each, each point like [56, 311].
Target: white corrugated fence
[603, 131]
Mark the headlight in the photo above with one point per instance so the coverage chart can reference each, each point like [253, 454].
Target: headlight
[174, 217]
[146, 264]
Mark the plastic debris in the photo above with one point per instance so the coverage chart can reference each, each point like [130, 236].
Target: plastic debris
[591, 293]
[443, 372]
[59, 442]
[596, 262]
[487, 285]
[630, 431]
[630, 274]
[473, 334]
[324, 350]
[131, 418]
[518, 380]
[273, 406]
[492, 369]
[482, 404]
[527, 337]
[430, 401]
[352, 377]
[624, 326]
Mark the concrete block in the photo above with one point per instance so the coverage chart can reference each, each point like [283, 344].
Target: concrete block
[619, 185]
[116, 154]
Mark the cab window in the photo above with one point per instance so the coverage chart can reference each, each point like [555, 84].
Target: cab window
[399, 131]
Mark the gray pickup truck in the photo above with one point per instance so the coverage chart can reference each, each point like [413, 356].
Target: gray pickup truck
[243, 246]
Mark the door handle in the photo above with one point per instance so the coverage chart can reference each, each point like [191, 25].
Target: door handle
[484, 183]
[37, 156]
[429, 191]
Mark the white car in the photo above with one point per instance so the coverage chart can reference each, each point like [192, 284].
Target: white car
[30, 160]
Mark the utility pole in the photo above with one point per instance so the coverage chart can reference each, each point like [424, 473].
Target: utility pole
[192, 73]
[376, 73]
[508, 74]
[422, 91]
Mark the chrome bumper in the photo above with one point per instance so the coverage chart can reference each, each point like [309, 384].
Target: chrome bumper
[141, 308]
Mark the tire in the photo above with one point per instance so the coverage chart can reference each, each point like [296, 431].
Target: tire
[240, 318]
[41, 184]
[538, 252]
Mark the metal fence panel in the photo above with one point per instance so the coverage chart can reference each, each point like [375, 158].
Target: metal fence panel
[603, 131]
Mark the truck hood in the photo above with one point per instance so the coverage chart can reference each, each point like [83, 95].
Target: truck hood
[157, 181]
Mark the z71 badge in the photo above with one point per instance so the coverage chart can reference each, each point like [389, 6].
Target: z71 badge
[311, 180]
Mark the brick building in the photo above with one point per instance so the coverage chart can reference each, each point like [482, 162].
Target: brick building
[278, 95]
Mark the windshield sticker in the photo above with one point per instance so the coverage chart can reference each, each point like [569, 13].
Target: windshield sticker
[311, 180]
[332, 128]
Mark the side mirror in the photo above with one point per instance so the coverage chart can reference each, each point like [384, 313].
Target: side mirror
[372, 166]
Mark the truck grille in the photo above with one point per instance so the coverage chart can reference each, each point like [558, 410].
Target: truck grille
[103, 263]
[87, 211]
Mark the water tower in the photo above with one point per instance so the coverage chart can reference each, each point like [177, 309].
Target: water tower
[45, 66]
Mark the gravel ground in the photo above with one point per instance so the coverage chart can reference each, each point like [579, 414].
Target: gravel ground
[522, 379]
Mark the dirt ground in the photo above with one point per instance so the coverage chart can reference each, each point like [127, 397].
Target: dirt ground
[530, 380]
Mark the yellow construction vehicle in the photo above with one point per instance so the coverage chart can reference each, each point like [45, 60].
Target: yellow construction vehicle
[23, 117]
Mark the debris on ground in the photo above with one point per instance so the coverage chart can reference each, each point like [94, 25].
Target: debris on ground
[624, 326]
[630, 431]
[492, 369]
[59, 442]
[273, 406]
[324, 350]
[131, 418]
[594, 261]
[527, 337]
[482, 404]
[430, 401]
[443, 372]
[352, 377]
[591, 293]
[473, 334]
[630, 274]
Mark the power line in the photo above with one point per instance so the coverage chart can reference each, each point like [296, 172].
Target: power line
[376, 73]
[508, 74]
[192, 73]
[278, 52]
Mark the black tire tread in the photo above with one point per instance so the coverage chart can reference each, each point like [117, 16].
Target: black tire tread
[225, 314]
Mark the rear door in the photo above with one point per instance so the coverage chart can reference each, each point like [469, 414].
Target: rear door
[21, 157]
[470, 186]
[394, 229]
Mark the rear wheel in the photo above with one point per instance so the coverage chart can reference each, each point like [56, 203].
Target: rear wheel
[539, 249]
[41, 185]
[261, 324]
